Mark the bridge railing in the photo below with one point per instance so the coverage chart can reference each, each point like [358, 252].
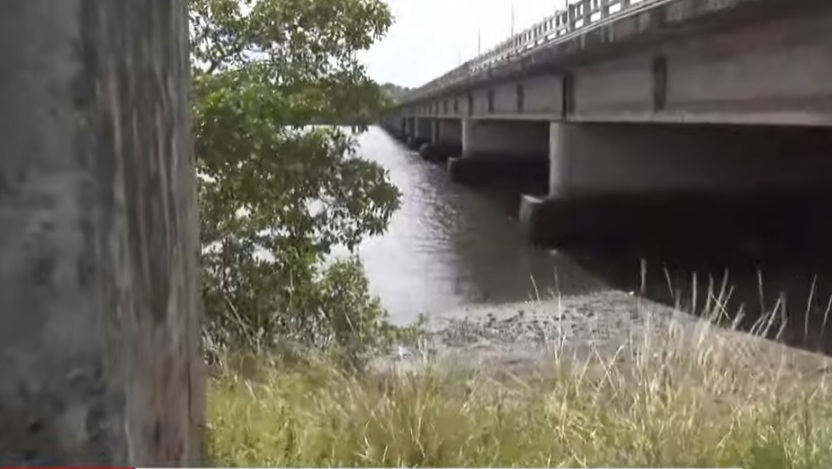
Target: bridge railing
[560, 26]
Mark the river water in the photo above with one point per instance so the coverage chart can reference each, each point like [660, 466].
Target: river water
[450, 247]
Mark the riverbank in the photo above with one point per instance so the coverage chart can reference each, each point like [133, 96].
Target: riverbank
[540, 384]
[451, 246]
[519, 338]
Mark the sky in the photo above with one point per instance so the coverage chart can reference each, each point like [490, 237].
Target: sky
[430, 37]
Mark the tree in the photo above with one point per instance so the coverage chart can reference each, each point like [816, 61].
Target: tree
[99, 299]
[276, 194]
[396, 92]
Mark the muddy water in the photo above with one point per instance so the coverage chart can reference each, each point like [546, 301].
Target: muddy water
[451, 248]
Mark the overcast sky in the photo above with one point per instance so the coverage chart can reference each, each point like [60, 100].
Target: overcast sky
[430, 37]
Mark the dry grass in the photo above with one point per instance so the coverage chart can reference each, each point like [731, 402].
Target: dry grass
[708, 399]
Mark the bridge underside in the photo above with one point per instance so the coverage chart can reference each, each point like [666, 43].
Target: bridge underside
[756, 66]
[709, 104]
[587, 180]
[631, 179]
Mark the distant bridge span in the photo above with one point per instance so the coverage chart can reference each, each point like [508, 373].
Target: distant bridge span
[618, 98]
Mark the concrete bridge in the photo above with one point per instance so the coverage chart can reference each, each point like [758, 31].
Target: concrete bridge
[616, 104]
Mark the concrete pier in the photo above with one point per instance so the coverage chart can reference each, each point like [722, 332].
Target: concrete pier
[653, 111]
[623, 179]
[498, 149]
[419, 132]
[446, 140]
[403, 127]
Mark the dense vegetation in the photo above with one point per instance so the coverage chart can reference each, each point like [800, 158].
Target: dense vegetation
[277, 194]
[396, 92]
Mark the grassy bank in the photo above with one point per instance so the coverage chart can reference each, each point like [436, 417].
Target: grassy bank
[711, 400]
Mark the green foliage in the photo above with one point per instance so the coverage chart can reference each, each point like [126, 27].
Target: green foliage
[396, 92]
[276, 193]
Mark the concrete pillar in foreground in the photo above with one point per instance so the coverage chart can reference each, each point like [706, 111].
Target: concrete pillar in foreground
[607, 178]
[99, 284]
[446, 140]
[501, 149]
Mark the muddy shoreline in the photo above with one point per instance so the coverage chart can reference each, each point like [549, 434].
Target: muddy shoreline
[526, 337]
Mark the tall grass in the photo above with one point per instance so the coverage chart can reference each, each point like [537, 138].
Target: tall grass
[709, 398]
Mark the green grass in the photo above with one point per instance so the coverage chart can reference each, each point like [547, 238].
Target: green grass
[713, 401]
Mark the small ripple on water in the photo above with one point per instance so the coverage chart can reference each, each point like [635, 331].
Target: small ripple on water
[450, 247]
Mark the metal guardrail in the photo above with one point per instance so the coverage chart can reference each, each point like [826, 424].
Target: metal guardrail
[556, 28]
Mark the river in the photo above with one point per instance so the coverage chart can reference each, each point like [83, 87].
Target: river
[450, 247]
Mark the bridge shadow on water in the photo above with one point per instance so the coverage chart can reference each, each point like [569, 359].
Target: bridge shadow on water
[770, 249]
[757, 274]
[769, 253]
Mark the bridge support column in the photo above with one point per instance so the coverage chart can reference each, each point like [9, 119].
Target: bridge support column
[410, 129]
[403, 128]
[446, 140]
[501, 149]
[421, 132]
[638, 179]
[393, 125]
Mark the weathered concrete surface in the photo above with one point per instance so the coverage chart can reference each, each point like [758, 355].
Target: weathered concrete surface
[417, 132]
[506, 140]
[622, 34]
[423, 129]
[645, 218]
[680, 61]
[99, 305]
[446, 140]
[410, 126]
[623, 159]
[501, 150]
[448, 131]
[632, 179]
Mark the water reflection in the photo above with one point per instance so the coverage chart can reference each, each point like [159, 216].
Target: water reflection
[450, 246]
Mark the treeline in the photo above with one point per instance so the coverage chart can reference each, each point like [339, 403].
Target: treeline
[396, 92]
